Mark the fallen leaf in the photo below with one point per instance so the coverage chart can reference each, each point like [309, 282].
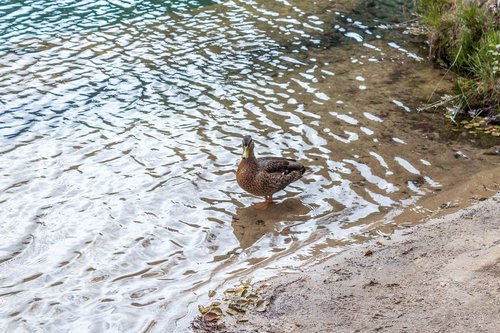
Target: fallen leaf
[242, 319]
[236, 307]
[368, 253]
[211, 316]
[230, 291]
[202, 309]
[216, 310]
[232, 312]
[252, 295]
[261, 305]
[241, 291]
[211, 293]
[378, 244]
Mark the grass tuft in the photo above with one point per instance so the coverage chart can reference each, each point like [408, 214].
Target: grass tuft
[464, 37]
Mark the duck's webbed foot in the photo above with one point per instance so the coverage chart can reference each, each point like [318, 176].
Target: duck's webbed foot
[265, 204]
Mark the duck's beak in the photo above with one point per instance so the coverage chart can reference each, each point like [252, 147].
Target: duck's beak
[246, 152]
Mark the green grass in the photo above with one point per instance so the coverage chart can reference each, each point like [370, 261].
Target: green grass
[464, 38]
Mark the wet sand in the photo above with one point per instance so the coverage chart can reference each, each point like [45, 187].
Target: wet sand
[440, 276]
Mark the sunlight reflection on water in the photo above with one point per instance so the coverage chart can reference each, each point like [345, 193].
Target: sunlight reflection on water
[120, 129]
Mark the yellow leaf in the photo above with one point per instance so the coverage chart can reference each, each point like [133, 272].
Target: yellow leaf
[232, 312]
[216, 310]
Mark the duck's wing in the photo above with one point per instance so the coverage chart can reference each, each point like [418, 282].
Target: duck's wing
[279, 165]
[278, 172]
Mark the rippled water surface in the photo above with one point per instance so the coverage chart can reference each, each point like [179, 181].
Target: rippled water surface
[120, 130]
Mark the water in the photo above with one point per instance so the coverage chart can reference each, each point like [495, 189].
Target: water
[120, 131]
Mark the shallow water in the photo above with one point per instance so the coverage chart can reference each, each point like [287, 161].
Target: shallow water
[120, 130]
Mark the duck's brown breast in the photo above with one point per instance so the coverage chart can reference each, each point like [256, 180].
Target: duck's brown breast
[250, 180]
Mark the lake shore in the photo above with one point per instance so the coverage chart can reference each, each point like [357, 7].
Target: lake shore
[440, 276]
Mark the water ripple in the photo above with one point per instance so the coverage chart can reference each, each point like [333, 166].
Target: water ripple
[120, 130]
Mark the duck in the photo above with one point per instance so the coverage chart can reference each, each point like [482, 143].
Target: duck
[265, 176]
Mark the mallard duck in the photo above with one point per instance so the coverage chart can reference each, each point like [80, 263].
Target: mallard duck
[265, 176]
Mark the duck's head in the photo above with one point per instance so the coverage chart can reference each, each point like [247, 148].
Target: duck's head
[247, 146]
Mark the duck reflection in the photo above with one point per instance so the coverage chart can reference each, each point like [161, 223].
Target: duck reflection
[251, 223]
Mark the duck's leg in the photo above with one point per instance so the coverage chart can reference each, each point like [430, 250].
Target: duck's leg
[265, 204]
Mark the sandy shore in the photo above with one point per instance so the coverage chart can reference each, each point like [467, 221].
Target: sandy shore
[441, 276]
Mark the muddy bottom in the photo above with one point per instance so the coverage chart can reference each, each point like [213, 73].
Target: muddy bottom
[442, 276]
